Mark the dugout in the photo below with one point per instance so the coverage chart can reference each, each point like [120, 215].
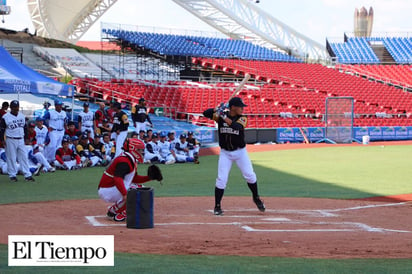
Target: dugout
[265, 135]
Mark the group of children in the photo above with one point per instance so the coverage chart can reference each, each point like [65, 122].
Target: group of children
[162, 147]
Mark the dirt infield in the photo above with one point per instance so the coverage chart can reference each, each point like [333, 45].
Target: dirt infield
[291, 227]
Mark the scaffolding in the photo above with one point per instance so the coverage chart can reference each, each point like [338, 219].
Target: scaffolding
[135, 63]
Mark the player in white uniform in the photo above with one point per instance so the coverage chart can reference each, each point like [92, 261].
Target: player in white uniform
[42, 134]
[12, 131]
[34, 168]
[3, 161]
[109, 147]
[57, 125]
[193, 145]
[231, 129]
[86, 120]
[165, 151]
[171, 137]
[152, 151]
[37, 159]
[182, 151]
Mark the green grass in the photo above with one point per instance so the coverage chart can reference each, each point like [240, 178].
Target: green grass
[330, 172]
[144, 263]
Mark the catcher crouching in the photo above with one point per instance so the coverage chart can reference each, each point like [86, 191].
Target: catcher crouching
[121, 175]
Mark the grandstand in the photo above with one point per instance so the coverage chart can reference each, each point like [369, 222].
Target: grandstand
[184, 73]
[24, 53]
[130, 66]
[184, 45]
[72, 61]
[365, 50]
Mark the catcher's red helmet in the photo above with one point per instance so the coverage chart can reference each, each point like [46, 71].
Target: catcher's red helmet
[135, 147]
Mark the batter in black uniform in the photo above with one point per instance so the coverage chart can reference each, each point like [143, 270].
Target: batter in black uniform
[231, 129]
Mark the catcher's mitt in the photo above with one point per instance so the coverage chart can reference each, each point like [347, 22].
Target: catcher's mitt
[154, 173]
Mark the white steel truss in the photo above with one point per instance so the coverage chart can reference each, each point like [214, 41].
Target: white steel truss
[242, 19]
[66, 20]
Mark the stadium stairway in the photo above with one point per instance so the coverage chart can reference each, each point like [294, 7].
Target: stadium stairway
[32, 60]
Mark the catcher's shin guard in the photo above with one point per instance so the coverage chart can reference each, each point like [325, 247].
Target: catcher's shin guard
[116, 208]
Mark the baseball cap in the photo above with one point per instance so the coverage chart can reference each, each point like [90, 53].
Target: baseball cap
[65, 140]
[145, 136]
[14, 103]
[85, 104]
[83, 136]
[97, 136]
[237, 102]
[58, 103]
[190, 133]
[39, 119]
[182, 135]
[163, 134]
[105, 120]
[32, 124]
[117, 105]
[75, 138]
[154, 135]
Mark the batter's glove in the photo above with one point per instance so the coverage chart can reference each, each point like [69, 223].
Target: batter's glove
[154, 173]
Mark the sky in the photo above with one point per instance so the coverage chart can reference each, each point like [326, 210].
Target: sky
[317, 19]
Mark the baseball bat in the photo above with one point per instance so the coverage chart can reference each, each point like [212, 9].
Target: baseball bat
[240, 86]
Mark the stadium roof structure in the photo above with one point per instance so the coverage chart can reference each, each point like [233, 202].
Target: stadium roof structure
[66, 20]
[243, 19]
[238, 19]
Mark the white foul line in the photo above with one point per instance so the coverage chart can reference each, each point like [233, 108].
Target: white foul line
[278, 220]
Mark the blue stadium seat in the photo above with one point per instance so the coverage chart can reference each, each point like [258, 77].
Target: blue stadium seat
[199, 46]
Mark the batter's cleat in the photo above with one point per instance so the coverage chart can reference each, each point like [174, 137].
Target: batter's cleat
[260, 205]
[218, 211]
[29, 179]
[13, 179]
[120, 217]
[52, 169]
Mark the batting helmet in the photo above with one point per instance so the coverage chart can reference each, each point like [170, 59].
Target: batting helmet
[135, 147]
[237, 102]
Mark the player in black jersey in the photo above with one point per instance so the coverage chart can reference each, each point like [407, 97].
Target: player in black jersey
[120, 127]
[231, 130]
[139, 115]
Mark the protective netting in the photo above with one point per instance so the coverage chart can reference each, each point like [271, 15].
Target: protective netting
[339, 119]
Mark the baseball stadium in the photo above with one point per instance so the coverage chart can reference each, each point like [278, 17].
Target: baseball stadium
[125, 146]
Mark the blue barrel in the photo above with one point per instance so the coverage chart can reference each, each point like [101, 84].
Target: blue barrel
[140, 208]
